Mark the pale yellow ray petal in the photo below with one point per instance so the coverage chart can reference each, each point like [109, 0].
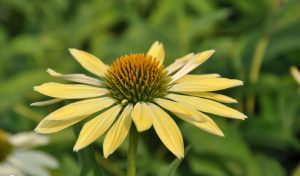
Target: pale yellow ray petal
[89, 62]
[179, 63]
[178, 108]
[51, 126]
[193, 62]
[118, 132]
[141, 116]
[208, 106]
[79, 78]
[93, 129]
[167, 130]
[295, 73]
[192, 77]
[204, 85]
[46, 102]
[209, 126]
[212, 96]
[157, 51]
[70, 91]
[81, 108]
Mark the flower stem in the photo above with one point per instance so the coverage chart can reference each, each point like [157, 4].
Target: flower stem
[132, 150]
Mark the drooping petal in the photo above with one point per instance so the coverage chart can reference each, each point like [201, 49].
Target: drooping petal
[38, 158]
[204, 85]
[89, 62]
[178, 63]
[209, 126]
[31, 163]
[178, 108]
[51, 126]
[28, 140]
[93, 129]
[141, 116]
[192, 77]
[213, 96]
[81, 108]
[157, 51]
[193, 62]
[206, 123]
[70, 91]
[167, 130]
[79, 78]
[118, 132]
[46, 102]
[208, 106]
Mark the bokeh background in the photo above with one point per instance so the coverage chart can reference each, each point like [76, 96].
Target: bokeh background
[255, 41]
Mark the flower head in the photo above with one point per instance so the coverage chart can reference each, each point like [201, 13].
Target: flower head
[138, 88]
[16, 151]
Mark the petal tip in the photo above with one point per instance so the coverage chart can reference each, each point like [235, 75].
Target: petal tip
[212, 51]
[38, 130]
[41, 131]
[36, 88]
[73, 51]
[106, 155]
[76, 148]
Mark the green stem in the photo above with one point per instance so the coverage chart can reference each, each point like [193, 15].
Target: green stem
[133, 141]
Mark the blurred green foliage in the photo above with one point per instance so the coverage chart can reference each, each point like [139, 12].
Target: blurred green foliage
[256, 41]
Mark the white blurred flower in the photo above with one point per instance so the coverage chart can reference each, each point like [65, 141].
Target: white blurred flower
[17, 157]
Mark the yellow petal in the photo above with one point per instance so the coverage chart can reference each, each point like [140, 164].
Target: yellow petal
[93, 129]
[70, 91]
[193, 62]
[89, 62]
[118, 132]
[141, 116]
[167, 131]
[204, 85]
[208, 106]
[209, 126]
[79, 78]
[189, 77]
[179, 63]
[212, 96]
[47, 102]
[81, 108]
[295, 73]
[157, 51]
[52, 126]
[178, 108]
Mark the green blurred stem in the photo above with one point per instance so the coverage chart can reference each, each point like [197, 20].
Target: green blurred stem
[255, 69]
[132, 150]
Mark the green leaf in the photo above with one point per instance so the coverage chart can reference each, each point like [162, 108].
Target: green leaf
[175, 164]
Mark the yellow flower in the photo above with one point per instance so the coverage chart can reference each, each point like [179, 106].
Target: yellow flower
[137, 88]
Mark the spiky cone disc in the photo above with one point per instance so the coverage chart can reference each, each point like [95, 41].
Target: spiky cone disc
[137, 78]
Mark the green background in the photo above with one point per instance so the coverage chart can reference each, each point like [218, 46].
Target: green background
[255, 41]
